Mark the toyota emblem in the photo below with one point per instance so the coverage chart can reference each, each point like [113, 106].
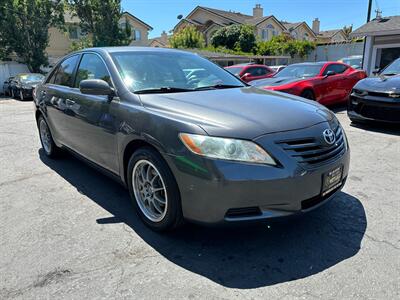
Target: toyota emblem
[329, 136]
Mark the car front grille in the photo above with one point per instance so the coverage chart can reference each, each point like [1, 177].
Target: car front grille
[313, 151]
[384, 113]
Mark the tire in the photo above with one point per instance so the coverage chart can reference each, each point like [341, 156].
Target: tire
[12, 94]
[308, 94]
[46, 139]
[153, 190]
[21, 95]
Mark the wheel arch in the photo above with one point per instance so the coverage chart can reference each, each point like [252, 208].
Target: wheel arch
[309, 89]
[129, 149]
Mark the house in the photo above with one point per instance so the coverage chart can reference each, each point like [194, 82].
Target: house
[208, 20]
[382, 42]
[328, 36]
[161, 41]
[60, 42]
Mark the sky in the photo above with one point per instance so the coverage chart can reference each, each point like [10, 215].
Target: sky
[162, 14]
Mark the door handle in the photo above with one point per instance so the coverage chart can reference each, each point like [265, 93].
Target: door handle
[69, 102]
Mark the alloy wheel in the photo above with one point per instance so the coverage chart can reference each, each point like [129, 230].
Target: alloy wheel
[45, 136]
[150, 191]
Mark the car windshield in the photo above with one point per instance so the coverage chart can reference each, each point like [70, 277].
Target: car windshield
[300, 71]
[352, 61]
[392, 69]
[234, 70]
[163, 72]
[31, 77]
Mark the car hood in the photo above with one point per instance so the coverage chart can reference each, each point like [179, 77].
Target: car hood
[239, 112]
[385, 84]
[31, 84]
[275, 81]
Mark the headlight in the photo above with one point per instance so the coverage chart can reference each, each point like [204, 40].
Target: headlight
[228, 149]
[26, 87]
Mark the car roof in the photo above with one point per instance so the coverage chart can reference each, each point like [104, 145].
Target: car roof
[247, 65]
[133, 49]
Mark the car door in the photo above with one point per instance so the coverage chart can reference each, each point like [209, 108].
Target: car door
[55, 94]
[91, 117]
[332, 90]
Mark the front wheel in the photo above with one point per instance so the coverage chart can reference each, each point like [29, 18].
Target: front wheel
[21, 95]
[308, 94]
[12, 94]
[153, 190]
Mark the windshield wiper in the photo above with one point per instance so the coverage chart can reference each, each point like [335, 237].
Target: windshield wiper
[218, 86]
[389, 74]
[165, 89]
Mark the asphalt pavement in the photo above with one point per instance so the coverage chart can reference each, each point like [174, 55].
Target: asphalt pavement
[68, 232]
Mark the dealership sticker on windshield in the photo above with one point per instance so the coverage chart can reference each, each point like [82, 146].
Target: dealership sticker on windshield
[332, 180]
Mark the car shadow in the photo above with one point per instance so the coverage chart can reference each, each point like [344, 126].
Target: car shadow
[391, 129]
[237, 257]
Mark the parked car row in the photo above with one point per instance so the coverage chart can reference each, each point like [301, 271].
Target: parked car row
[22, 85]
[369, 99]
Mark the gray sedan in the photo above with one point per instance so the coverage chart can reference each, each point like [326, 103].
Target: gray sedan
[206, 148]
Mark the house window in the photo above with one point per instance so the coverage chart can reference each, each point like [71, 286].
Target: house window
[306, 37]
[73, 32]
[268, 32]
[294, 34]
[137, 35]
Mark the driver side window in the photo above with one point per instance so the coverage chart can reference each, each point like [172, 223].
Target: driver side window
[91, 67]
[337, 68]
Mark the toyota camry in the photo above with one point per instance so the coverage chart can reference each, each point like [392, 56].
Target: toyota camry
[206, 148]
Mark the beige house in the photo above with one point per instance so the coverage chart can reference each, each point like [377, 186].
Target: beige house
[328, 36]
[208, 20]
[60, 42]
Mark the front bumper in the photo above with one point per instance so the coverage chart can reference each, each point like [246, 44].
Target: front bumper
[27, 93]
[373, 108]
[216, 191]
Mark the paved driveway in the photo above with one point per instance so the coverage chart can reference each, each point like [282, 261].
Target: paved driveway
[67, 231]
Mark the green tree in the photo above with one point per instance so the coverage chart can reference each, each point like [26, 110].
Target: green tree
[235, 37]
[100, 18]
[82, 43]
[285, 45]
[24, 26]
[189, 37]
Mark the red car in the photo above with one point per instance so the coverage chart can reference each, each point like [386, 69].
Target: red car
[249, 72]
[325, 82]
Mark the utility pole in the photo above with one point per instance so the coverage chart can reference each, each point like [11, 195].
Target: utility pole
[369, 10]
[365, 39]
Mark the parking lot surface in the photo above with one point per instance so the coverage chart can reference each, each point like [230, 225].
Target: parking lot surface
[68, 232]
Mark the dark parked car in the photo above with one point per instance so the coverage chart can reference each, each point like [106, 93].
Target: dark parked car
[249, 72]
[23, 84]
[377, 98]
[210, 150]
[326, 82]
[6, 86]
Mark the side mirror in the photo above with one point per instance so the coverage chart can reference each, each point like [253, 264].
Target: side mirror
[330, 73]
[245, 76]
[376, 71]
[95, 87]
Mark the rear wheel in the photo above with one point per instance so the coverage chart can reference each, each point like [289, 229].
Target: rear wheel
[49, 147]
[153, 190]
[308, 94]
